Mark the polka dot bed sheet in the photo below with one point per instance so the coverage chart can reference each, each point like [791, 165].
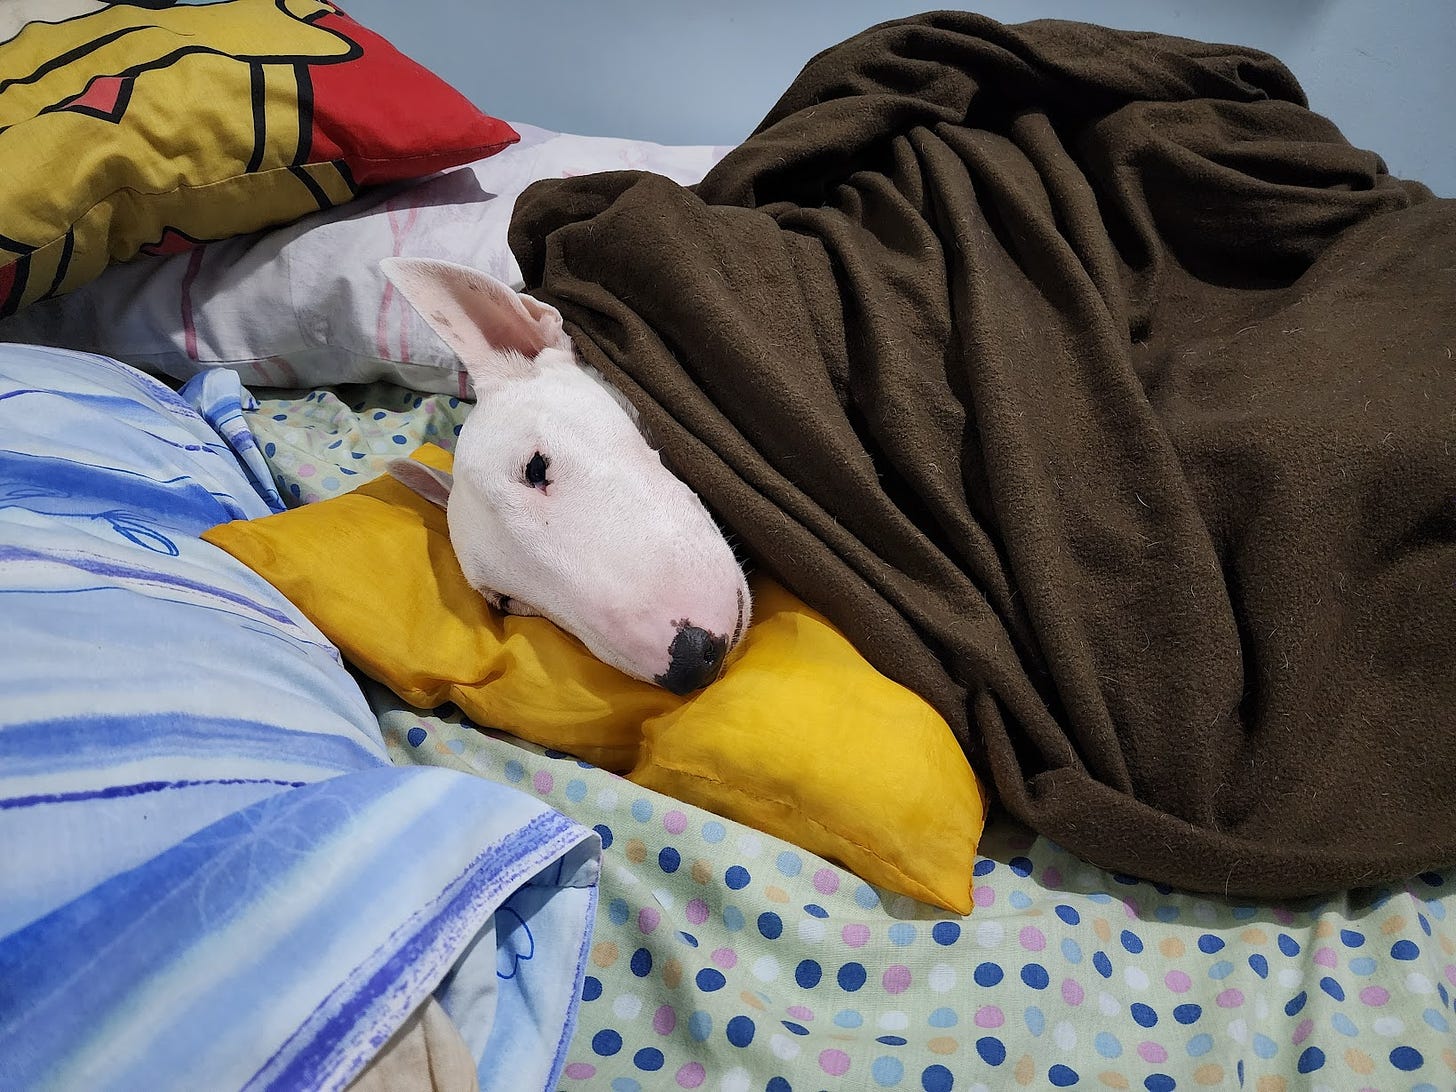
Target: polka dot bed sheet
[725, 959]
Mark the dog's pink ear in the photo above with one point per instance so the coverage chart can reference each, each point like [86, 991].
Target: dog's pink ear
[494, 331]
[427, 481]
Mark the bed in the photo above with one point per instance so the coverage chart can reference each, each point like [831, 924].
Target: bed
[618, 937]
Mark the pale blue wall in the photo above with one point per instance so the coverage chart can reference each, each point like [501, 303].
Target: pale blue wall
[693, 72]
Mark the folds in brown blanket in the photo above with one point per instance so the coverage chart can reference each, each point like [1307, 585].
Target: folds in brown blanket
[1103, 394]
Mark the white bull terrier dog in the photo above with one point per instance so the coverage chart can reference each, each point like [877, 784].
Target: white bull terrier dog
[558, 505]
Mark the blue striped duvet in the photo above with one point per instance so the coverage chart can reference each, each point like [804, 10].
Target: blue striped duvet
[210, 875]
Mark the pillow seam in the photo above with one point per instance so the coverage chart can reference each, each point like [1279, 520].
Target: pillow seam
[485, 151]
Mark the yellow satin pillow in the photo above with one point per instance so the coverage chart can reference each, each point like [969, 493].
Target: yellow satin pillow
[800, 738]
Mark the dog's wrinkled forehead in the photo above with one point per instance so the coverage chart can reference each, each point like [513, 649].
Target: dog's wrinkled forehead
[562, 410]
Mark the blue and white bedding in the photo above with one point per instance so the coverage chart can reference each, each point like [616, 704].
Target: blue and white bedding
[210, 874]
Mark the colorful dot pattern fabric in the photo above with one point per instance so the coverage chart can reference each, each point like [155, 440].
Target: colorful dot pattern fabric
[725, 959]
[324, 442]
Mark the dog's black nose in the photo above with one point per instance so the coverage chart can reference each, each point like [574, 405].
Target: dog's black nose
[697, 658]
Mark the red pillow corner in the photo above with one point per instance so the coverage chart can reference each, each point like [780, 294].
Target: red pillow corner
[388, 118]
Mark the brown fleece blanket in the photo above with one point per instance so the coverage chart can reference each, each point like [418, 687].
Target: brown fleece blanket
[1103, 394]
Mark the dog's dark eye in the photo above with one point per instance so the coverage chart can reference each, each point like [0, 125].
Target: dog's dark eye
[536, 471]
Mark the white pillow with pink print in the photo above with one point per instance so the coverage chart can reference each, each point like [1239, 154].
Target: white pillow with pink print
[306, 305]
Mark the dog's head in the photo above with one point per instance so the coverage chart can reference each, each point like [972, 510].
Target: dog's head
[558, 504]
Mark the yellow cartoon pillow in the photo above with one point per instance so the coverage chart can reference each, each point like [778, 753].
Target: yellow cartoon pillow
[131, 128]
[800, 737]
